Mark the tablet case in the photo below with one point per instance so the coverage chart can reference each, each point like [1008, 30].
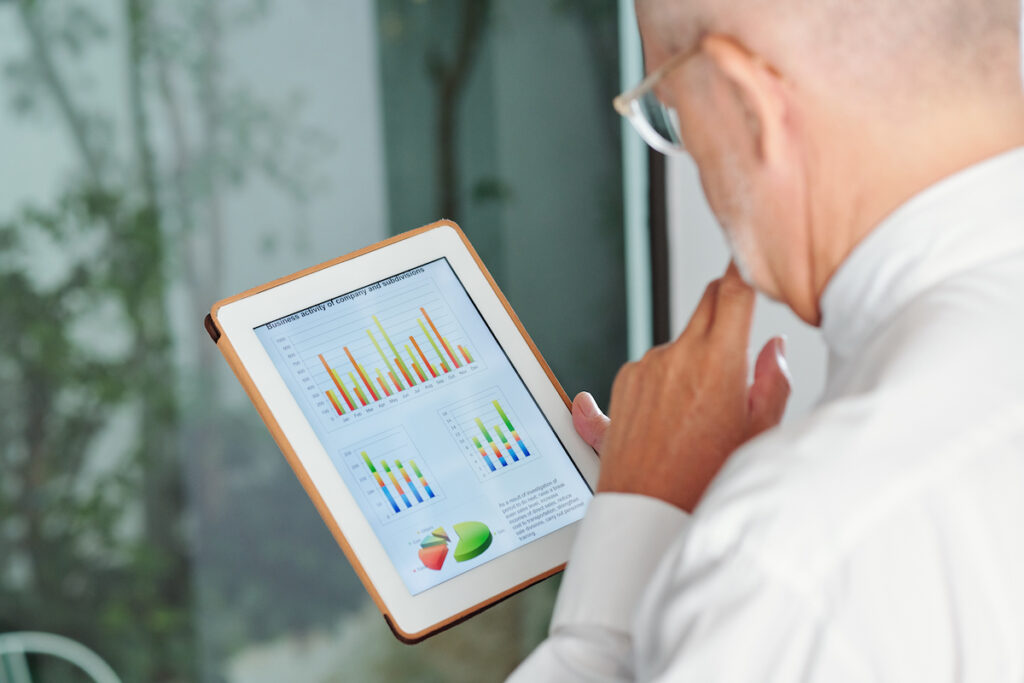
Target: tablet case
[228, 351]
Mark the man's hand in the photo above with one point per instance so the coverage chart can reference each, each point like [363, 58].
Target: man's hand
[679, 412]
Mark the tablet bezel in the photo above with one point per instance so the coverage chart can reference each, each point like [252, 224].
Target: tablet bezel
[412, 616]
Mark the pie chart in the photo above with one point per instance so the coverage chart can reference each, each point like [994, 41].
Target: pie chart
[474, 539]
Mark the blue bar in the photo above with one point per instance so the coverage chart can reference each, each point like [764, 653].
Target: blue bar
[429, 492]
[419, 499]
[502, 461]
[489, 463]
[390, 499]
[513, 454]
[405, 498]
[522, 447]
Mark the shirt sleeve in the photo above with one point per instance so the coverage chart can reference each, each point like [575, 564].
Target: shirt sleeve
[621, 542]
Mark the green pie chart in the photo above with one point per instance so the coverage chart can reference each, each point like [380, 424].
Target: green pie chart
[474, 539]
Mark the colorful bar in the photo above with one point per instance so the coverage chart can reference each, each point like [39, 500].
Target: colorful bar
[341, 387]
[386, 337]
[479, 447]
[465, 353]
[383, 486]
[430, 367]
[439, 337]
[395, 380]
[398, 487]
[355, 387]
[362, 374]
[508, 446]
[444, 366]
[415, 365]
[405, 371]
[380, 380]
[423, 480]
[487, 435]
[373, 392]
[377, 346]
[330, 371]
[334, 401]
[431, 340]
[408, 481]
[508, 423]
[448, 347]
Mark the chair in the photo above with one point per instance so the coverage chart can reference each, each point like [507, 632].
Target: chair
[15, 646]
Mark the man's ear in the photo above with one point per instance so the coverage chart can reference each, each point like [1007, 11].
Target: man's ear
[758, 89]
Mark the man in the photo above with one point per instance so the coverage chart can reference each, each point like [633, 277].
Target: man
[865, 160]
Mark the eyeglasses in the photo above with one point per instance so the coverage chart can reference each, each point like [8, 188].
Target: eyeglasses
[656, 122]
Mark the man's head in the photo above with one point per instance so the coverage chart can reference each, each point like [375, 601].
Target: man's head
[811, 120]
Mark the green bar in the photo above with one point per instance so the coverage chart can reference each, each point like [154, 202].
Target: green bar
[431, 340]
[386, 337]
[476, 442]
[501, 434]
[398, 464]
[415, 469]
[468, 354]
[508, 423]
[444, 366]
[414, 365]
[341, 385]
[379, 350]
[386, 468]
[368, 463]
[487, 435]
[398, 359]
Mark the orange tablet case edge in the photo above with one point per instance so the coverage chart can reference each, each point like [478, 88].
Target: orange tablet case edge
[231, 357]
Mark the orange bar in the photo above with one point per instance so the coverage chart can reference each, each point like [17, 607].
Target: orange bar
[341, 387]
[438, 335]
[394, 379]
[383, 386]
[419, 373]
[448, 348]
[334, 402]
[404, 373]
[329, 373]
[362, 375]
[465, 354]
[425, 361]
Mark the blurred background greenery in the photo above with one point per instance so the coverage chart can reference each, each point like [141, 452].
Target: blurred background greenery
[157, 156]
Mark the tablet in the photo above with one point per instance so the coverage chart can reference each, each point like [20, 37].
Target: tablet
[421, 420]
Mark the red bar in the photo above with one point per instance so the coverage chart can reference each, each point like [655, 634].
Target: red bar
[406, 376]
[438, 335]
[334, 403]
[394, 379]
[418, 373]
[447, 348]
[465, 355]
[384, 387]
[330, 374]
[359, 372]
[425, 361]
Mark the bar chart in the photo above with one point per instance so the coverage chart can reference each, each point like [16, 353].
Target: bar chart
[358, 358]
[486, 431]
[391, 475]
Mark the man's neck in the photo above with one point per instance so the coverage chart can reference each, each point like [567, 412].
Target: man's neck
[889, 169]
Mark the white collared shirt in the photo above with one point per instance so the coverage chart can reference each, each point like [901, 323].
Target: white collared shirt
[881, 537]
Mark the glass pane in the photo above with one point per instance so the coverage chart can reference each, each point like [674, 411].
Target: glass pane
[158, 156]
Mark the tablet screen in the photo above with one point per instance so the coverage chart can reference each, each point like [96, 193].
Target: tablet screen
[428, 423]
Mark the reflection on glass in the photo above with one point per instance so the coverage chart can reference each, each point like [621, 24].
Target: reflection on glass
[160, 155]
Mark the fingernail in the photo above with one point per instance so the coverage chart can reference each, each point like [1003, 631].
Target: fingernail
[780, 358]
[588, 406]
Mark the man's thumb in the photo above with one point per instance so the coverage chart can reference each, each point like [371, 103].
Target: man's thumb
[590, 422]
[771, 387]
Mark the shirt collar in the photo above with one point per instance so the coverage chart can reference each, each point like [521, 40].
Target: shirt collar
[965, 220]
